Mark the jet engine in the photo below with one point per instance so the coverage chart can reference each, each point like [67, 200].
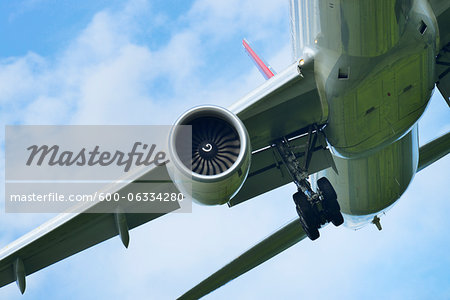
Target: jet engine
[212, 161]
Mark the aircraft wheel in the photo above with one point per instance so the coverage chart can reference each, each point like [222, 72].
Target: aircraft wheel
[337, 219]
[330, 203]
[307, 216]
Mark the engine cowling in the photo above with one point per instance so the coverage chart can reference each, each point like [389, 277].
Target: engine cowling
[214, 169]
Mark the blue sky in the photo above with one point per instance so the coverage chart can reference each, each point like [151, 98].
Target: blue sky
[145, 62]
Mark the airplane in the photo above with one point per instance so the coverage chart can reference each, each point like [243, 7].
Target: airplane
[339, 137]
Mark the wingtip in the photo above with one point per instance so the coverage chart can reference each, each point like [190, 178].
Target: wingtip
[264, 68]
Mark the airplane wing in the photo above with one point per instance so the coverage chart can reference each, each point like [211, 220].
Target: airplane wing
[433, 151]
[68, 234]
[274, 244]
[265, 69]
[264, 112]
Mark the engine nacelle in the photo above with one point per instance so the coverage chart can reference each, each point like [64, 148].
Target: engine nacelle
[214, 169]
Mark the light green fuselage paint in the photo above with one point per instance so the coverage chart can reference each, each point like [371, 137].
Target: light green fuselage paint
[374, 69]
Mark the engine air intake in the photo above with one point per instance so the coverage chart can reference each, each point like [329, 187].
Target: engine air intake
[215, 146]
[215, 165]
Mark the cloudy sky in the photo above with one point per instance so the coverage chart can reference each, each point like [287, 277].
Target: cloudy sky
[145, 62]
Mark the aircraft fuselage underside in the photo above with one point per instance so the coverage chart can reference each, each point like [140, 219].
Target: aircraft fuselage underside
[377, 73]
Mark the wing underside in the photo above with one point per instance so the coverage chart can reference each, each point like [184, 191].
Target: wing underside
[68, 234]
[267, 172]
[286, 106]
[289, 95]
[276, 243]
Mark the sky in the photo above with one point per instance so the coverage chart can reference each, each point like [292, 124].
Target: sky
[146, 62]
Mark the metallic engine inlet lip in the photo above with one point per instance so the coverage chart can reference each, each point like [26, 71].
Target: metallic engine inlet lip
[210, 111]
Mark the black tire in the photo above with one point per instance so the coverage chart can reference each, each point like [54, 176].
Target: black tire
[326, 188]
[337, 219]
[299, 198]
[306, 215]
[330, 203]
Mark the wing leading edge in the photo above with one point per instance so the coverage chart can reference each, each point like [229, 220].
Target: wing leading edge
[68, 234]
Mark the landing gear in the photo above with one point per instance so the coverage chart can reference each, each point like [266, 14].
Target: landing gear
[330, 203]
[307, 215]
[314, 208]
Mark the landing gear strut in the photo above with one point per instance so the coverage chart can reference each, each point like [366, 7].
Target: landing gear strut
[314, 208]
